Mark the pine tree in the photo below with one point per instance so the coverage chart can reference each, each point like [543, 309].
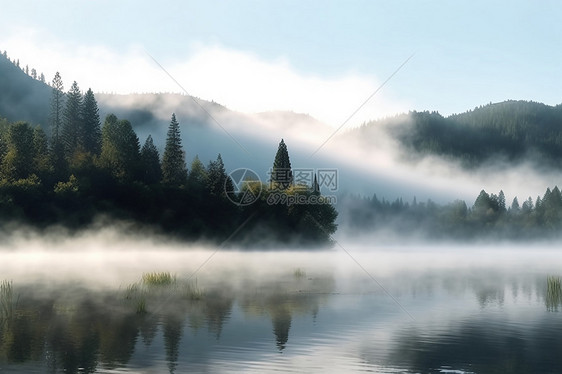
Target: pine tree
[198, 178]
[33, 73]
[41, 159]
[316, 186]
[281, 173]
[174, 170]
[501, 202]
[216, 177]
[18, 161]
[57, 105]
[91, 127]
[72, 120]
[527, 206]
[120, 153]
[58, 160]
[150, 162]
[515, 205]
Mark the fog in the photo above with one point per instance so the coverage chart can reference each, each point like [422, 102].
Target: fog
[369, 161]
[106, 257]
[351, 308]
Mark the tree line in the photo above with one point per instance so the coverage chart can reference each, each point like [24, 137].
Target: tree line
[82, 170]
[490, 217]
[31, 72]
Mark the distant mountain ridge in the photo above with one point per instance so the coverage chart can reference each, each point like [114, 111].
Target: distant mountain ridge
[22, 98]
[207, 128]
[512, 131]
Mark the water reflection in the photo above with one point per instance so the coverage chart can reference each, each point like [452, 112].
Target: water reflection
[73, 329]
[553, 297]
[468, 319]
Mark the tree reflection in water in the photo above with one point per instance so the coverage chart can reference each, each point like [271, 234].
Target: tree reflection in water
[73, 329]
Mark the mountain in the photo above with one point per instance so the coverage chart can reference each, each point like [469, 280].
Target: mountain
[207, 128]
[22, 98]
[381, 156]
[512, 131]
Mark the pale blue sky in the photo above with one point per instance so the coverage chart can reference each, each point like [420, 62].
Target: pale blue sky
[467, 53]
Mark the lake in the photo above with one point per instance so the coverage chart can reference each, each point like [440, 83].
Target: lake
[107, 304]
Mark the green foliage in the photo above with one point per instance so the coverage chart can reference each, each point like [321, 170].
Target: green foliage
[120, 149]
[217, 178]
[18, 162]
[281, 173]
[553, 297]
[65, 188]
[488, 217]
[158, 279]
[509, 131]
[41, 160]
[150, 162]
[174, 171]
[31, 183]
[90, 132]
[6, 302]
[42, 186]
[197, 179]
[72, 120]
[57, 105]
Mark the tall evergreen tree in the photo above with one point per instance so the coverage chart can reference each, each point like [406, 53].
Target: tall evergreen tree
[56, 118]
[515, 205]
[174, 170]
[41, 159]
[150, 162]
[91, 126]
[198, 177]
[281, 173]
[120, 153]
[316, 186]
[18, 161]
[57, 105]
[216, 177]
[72, 120]
[527, 206]
[501, 202]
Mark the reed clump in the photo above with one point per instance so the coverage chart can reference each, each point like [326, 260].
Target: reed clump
[163, 278]
[553, 292]
[159, 288]
[6, 301]
[299, 273]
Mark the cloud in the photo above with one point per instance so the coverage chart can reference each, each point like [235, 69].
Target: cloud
[240, 80]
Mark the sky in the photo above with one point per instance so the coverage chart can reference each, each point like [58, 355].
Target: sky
[319, 57]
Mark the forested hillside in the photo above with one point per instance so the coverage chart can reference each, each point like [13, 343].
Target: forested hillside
[511, 131]
[70, 169]
[23, 97]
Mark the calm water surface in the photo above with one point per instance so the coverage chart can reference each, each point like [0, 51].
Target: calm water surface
[405, 310]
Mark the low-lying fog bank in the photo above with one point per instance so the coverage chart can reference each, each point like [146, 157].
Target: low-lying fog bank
[108, 258]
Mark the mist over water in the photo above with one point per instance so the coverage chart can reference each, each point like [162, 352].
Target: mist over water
[355, 307]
